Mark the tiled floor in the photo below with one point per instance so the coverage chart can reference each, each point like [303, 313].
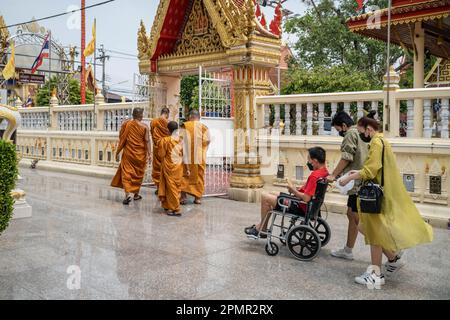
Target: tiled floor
[136, 253]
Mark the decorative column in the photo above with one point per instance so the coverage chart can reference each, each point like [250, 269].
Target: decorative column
[410, 118]
[99, 112]
[419, 76]
[333, 113]
[391, 109]
[246, 174]
[53, 116]
[444, 117]
[321, 119]
[298, 119]
[427, 130]
[309, 119]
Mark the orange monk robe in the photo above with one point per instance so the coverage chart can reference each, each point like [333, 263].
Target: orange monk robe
[170, 151]
[133, 141]
[158, 130]
[196, 141]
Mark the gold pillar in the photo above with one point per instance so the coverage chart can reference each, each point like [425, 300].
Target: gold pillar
[249, 81]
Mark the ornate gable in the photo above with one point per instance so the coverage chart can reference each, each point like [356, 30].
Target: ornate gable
[199, 35]
[205, 30]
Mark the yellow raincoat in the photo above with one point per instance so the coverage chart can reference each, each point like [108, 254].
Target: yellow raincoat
[399, 226]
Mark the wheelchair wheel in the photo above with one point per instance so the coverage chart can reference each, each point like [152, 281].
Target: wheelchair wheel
[271, 249]
[323, 230]
[303, 242]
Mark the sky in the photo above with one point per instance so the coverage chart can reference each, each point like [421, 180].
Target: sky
[117, 26]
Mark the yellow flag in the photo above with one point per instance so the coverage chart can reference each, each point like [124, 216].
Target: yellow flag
[91, 46]
[10, 69]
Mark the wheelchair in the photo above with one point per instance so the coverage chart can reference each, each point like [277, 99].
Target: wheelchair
[303, 235]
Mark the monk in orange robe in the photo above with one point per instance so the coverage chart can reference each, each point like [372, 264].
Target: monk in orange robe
[196, 141]
[159, 130]
[170, 151]
[134, 141]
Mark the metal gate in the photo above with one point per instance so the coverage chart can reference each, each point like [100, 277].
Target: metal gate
[217, 113]
[215, 104]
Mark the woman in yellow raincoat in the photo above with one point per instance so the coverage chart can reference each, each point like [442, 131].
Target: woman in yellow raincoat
[399, 226]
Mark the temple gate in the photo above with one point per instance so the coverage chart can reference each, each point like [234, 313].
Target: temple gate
[214, 34]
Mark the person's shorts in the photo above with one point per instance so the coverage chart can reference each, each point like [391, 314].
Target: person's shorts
[293, 209]
[352, 202]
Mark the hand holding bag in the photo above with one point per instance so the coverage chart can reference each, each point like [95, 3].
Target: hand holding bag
[371, 194]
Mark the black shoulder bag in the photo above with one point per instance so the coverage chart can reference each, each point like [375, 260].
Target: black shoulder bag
[371, 194]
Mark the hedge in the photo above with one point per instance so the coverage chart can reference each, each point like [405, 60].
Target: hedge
[8, 177]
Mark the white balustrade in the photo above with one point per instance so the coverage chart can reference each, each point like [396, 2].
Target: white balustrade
[287, 119]
[347, 107]
[333, 113]
[321, 118]
[266, 109]
[276, 122]
[444, 118]
[298, 119]
[34, 118]
[410, 118]
[372, 100]
[309, 119]
[360, 109]
[427, 118]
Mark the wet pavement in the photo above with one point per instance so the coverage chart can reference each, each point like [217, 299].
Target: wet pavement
[80, 227]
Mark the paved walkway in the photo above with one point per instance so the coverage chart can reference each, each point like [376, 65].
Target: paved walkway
[136, 253]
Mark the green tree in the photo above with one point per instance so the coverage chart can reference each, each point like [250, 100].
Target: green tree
[326, 79]
[188, 86]
[44, 93]
[324, 41]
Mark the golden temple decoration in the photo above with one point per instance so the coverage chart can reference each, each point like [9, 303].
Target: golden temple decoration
[4, 35]
[199, 35]
[143, 41]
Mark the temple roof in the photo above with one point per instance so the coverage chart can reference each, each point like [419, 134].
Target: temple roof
[234, 21]
[434, 15]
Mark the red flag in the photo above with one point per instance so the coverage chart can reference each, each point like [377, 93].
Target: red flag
[360, 4]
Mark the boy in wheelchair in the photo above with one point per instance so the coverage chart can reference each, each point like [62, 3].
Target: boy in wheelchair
[316, 163]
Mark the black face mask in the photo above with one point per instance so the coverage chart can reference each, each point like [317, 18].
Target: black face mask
[364, 138]
[310, 166]
[342, 133]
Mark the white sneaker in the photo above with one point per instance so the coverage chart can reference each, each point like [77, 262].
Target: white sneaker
[371, 279]
[341, 253]
[392, 267]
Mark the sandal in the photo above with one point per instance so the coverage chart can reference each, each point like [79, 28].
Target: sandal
[183, 202]
[137, 198]
[197, 201]
[173, 214]
[127, 200]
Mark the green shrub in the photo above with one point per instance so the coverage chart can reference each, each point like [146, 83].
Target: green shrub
[8, 177]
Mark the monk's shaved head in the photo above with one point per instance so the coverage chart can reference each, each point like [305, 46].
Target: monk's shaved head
[138, 113]
[194, 115]
[165, 111]
[172, 126]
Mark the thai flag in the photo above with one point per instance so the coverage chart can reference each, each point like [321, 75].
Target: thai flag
[45, 53]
